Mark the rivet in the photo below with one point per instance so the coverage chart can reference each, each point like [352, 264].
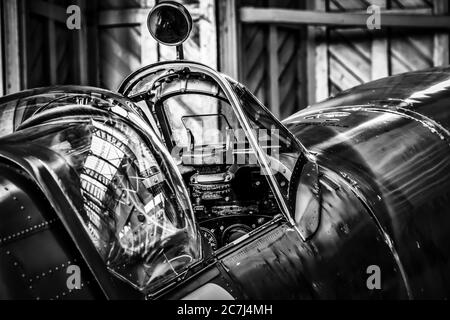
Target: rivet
[22, 208]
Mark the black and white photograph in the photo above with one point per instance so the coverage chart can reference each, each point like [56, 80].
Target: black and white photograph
[242, 151]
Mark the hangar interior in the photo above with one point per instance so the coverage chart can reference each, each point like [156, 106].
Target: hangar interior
[187, 187]
[289, 53]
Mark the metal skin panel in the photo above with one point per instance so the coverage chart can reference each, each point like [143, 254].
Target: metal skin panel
[390, 143]
[29, 225]
[332, 265]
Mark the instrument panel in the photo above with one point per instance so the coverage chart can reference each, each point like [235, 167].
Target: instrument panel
[230, 202]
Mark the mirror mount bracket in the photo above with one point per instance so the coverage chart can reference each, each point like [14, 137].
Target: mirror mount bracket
[180, 52]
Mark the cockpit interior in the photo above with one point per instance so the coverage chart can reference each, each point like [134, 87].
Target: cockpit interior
[229, 190]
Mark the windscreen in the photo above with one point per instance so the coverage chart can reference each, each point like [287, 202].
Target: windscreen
[216, 126]
[198, 119]
[280, 147]
[129, 200]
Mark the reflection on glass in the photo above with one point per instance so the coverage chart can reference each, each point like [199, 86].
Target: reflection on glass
[205, 117]
[207, 130]
[131, 206]
[279, 146]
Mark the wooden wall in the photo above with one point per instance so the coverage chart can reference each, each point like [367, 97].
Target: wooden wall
[273, 60]
[288, 66]
[39, 49]
[356, 56]
[125, 44]
[112, 43]
[11, 46]
[292, 65]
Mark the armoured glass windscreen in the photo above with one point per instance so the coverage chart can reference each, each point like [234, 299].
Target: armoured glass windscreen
[280, 147]
[216, 127]
[130, 201]
[202, 119]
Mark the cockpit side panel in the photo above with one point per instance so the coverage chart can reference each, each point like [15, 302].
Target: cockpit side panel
[35, 250]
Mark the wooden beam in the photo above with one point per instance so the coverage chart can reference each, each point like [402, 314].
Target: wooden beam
[23, 20]
[108, 18]
[149, 47]
[228, 30]
[284, 16]
[311, 47]
[123, 17]
[2, 72]
[303, 69]
[274, 73]
[208, 33]
[441, 41]
[91, 21]
[380, 49]
[320, 89]
[81, 43]
[52, 50]
[12, 62]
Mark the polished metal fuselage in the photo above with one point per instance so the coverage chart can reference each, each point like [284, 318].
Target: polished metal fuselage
[389, 142]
